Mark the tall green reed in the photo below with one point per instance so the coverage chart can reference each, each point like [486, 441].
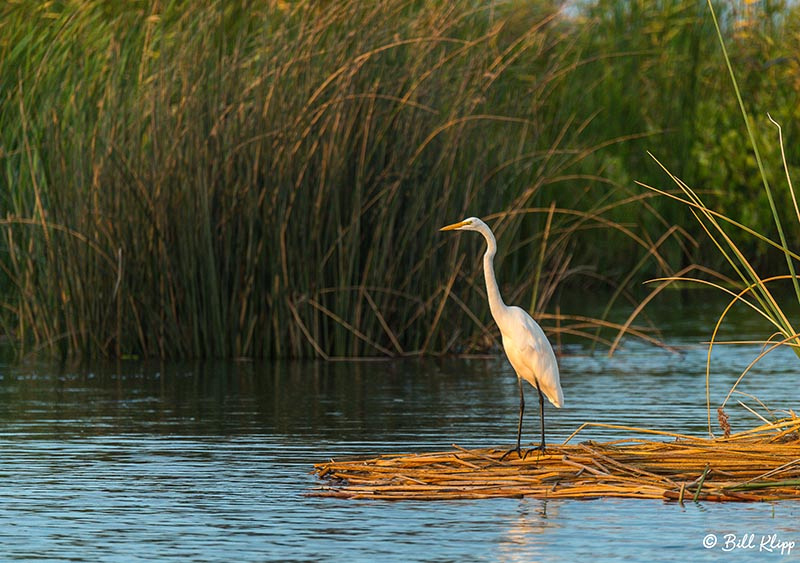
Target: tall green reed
[746, 285]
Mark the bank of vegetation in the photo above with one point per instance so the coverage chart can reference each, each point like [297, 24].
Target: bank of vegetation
[266, 179]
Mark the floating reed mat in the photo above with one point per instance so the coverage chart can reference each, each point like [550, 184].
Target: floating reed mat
[762, 464]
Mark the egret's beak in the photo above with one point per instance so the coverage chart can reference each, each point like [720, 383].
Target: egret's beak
[454, 226]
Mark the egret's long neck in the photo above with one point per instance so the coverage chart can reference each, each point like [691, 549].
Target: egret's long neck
[496, 304]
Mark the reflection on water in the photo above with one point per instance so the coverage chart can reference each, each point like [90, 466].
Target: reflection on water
[527, 532]
[209, 461]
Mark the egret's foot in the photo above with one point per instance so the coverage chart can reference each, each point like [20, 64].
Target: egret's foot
[540, 448]
[517, 449]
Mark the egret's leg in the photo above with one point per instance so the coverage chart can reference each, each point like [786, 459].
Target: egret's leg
[518, 449]
[541, 416]
[540, 447]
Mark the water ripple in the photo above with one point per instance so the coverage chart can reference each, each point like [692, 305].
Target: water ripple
[212, 462]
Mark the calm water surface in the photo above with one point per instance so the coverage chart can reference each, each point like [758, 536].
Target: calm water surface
[211, 462]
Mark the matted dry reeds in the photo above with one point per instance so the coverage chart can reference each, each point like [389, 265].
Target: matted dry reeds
[761, 464]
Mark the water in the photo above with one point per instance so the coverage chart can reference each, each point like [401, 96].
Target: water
[211, 462]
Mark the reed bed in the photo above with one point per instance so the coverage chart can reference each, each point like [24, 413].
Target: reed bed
[762, 464]
[266, 178]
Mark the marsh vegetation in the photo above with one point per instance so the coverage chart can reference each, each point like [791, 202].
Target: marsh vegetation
[266, 179]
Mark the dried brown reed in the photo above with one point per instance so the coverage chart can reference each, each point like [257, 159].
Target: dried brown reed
[762, 464]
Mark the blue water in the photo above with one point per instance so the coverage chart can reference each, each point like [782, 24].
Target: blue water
[211, 462]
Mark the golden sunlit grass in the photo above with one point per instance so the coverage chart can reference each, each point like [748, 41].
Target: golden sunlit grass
[762, 464]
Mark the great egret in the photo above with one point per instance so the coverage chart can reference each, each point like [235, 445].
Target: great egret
[524, 341]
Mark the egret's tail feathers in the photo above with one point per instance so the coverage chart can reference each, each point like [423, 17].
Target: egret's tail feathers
[555, 396]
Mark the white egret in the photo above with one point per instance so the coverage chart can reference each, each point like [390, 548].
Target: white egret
[524, 341]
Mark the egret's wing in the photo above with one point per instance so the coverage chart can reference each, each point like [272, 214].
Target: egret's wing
[538, 356]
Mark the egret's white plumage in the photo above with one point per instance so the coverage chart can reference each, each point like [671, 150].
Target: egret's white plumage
[524, 341]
